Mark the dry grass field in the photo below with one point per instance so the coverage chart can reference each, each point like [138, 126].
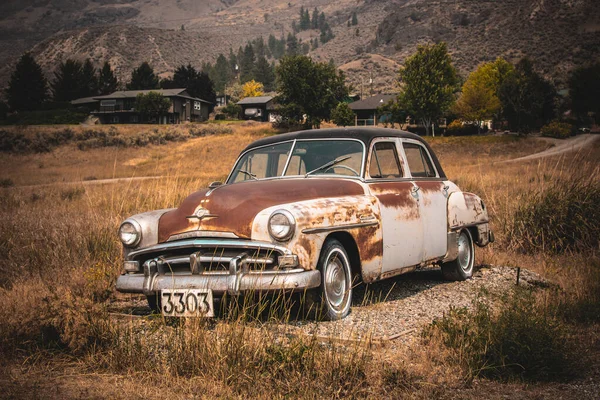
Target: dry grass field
[60, 338]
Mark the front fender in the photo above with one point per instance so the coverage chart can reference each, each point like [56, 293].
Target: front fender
[316, 219]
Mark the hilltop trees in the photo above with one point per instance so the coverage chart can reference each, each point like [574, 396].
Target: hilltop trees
[308, 88]
[429, 82]
[107, 81]
[143, 78]
[527, 98]
[27, 88]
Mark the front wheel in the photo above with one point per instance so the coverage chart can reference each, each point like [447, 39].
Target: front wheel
[462, 268]
[332, 300]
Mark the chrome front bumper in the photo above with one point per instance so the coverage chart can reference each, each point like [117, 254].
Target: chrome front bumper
[238, 278]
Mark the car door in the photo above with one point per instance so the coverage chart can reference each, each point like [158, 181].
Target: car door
[432, 199]
[400, 214]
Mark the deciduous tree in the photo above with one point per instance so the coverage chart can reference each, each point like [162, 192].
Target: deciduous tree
[342, 115]
[252, 89]
[584, 91]
[27, 88]
[527, 98]
[479, 99]
[308, 88]
[428, 83]
[152, 105]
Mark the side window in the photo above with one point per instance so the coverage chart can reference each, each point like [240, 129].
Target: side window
[296, 166]
[418, 161]
[384, 161]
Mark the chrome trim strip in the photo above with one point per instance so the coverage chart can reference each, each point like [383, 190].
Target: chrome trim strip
[202, 234]
[338, 227]
[210, 242]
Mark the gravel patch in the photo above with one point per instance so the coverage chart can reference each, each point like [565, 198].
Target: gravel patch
[401, 305]
[408, 302]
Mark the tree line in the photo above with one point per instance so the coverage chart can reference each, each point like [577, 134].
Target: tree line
[28, 88]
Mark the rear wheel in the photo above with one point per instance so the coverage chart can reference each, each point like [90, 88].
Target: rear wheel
[462, 268]
[332, 300]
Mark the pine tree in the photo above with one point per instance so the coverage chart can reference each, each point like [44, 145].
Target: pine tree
[354, 18]
[265, 73]
[89, 80]
[67, 84]
[292, 45]
[247, 64]
[314, 23]
[28, 88]
[143, 78]
[107, 81]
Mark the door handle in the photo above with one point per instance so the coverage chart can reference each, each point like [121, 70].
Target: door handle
[445, 189]
[415, 191]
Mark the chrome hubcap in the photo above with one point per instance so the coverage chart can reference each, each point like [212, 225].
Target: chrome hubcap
[336, 280]
[464, 252]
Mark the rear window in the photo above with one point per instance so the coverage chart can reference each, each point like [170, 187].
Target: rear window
[419, 163]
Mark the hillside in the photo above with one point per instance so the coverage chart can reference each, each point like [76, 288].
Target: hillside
[557, 34]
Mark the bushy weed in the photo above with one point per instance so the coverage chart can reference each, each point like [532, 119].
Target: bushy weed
[517, 339]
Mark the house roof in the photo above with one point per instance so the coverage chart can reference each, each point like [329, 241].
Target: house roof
[256, 100]
[371, 103]
[127, 94]
[83, 100]
[363, 134]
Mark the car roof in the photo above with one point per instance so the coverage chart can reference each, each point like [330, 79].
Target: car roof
[364, 134]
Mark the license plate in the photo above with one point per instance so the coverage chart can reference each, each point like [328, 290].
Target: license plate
[187, 303]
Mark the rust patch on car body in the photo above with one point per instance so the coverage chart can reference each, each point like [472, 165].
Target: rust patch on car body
[232, 208]
[393, 194]
[429, 186]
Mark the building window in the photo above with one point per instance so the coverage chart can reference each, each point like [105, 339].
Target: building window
[134, 119]
[197, 105]
[114, 119]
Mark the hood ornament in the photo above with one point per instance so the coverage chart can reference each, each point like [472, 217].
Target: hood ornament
[201, 213]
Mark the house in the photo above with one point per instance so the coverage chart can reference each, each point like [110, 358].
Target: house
[260, 108]
[366, 110]
[119, 107]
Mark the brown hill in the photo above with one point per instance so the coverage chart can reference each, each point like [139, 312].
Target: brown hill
[557, 34]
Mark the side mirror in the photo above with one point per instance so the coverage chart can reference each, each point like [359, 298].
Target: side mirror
[215, 184]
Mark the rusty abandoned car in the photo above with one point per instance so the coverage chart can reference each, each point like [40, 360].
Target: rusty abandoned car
[306, 212]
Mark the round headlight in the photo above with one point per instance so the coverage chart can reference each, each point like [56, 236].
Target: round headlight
[130, 233]
[282, 225]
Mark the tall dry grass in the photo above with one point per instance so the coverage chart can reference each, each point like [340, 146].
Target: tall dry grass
[62, 256]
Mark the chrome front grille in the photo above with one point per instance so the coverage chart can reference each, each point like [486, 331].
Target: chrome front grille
[212, 261]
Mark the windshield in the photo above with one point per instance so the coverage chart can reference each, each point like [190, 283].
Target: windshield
[307, 157]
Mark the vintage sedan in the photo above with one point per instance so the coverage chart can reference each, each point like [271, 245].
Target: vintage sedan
[307, 212]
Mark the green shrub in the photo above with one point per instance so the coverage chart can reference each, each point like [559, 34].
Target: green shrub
[457, 128]
[519, 340]
[563, 216]
[232, 110]
[558, 130]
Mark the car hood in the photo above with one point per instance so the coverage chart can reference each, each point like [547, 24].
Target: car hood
[232, 208]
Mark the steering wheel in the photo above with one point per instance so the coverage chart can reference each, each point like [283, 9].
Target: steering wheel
[343, 167]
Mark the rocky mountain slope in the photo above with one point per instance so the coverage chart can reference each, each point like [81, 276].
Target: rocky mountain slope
[557, 34]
